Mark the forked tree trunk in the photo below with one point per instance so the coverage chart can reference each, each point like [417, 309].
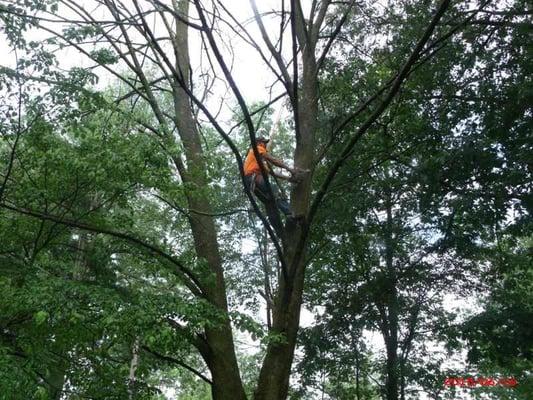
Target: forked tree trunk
[273, 381]
[220, 357]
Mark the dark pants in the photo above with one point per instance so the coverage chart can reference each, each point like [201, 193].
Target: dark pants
[271, 203]
[262, 194]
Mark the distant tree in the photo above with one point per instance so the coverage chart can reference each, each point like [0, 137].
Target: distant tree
[499, 338]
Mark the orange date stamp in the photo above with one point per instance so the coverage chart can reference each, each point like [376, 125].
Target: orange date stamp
[480, 381]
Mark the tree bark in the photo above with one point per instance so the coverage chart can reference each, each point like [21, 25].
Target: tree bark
[220, 355]
[134, 363]
[391, 386]
[274, 377]
[275, 372]
[391, 340]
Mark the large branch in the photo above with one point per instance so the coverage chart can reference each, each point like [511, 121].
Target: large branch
[174, 360]
[302, 31]
[315, 28]
[295, 100]
[187, 276]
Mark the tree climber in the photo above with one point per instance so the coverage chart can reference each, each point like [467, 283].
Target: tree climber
[257, 185]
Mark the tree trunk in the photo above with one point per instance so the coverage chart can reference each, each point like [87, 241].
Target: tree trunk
[391, 386]
[273, 381]
[275, 372]
[220, 355]
[391, 340]
[134, 363]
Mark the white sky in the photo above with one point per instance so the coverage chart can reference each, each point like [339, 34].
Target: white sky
[249, 71]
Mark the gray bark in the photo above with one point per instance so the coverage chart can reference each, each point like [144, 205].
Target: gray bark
[220, 353]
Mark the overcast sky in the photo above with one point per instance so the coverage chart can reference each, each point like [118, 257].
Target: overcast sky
[249, 71]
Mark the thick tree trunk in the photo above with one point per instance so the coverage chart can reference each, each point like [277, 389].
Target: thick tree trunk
[391, 386]
[273, 381]
[221, 359]
[222, 363]
[275, 372]
[220, 354]
[391, 340]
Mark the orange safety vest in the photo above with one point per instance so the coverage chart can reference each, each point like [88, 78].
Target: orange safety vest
[250, 164]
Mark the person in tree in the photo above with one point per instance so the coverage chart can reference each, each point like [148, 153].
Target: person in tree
[257, 185]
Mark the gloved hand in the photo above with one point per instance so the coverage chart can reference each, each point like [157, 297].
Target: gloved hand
[298, 174]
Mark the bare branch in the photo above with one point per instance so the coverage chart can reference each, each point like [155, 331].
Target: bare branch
[317, 23]
[334, 35]
[178, 16]
[287, 81]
